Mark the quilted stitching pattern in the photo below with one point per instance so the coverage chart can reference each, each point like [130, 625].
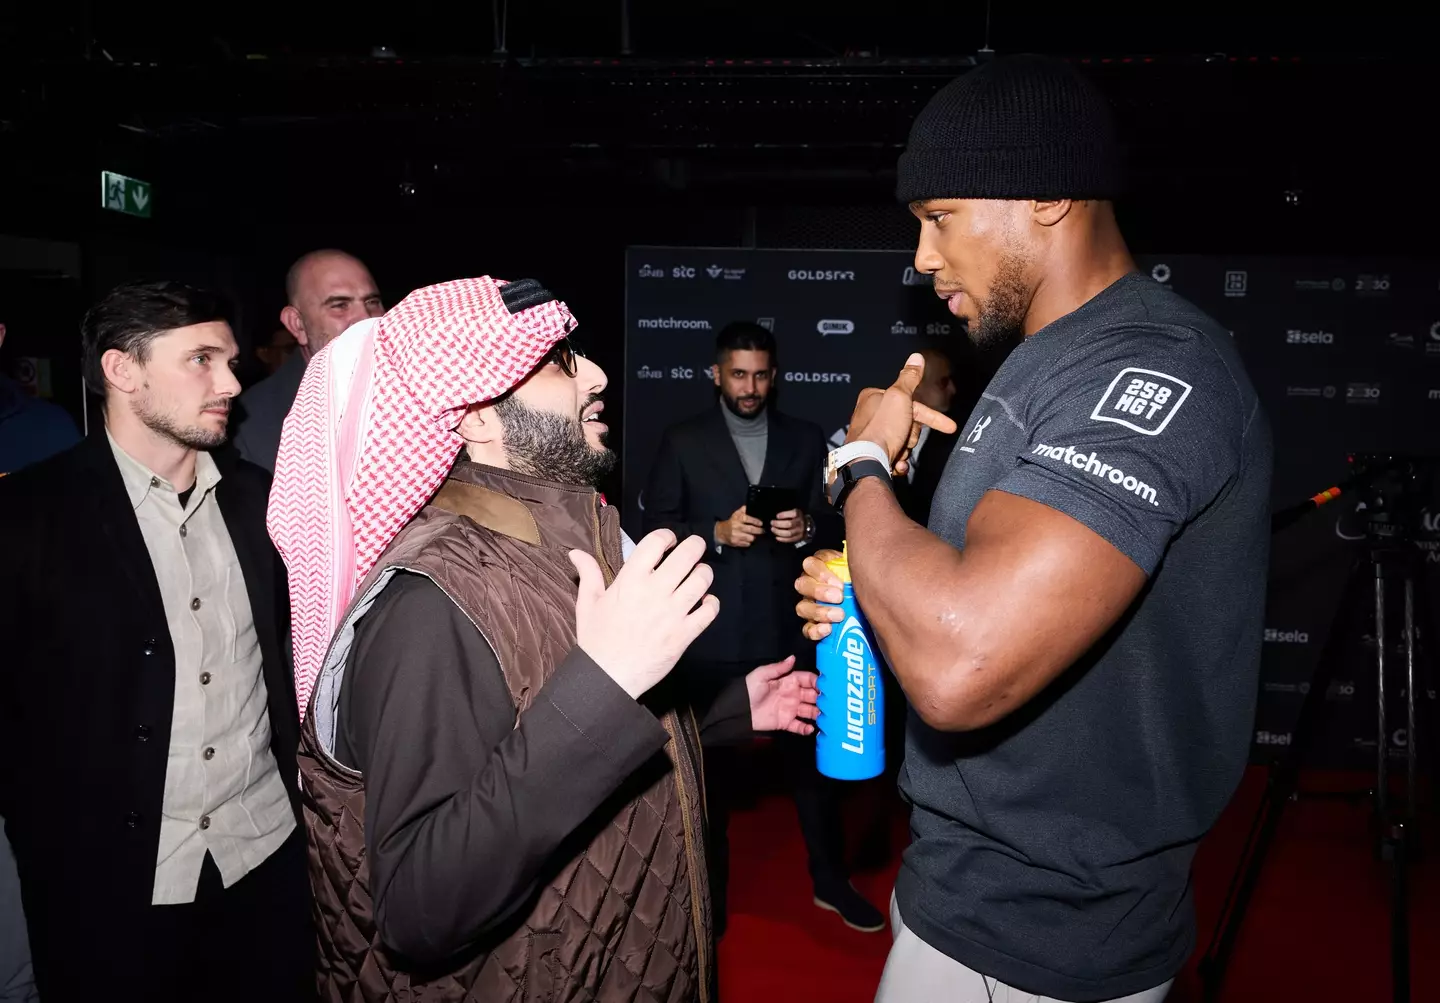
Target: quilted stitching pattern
[622, 908]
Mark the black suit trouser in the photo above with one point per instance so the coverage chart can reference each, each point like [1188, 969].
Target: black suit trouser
[817, 798]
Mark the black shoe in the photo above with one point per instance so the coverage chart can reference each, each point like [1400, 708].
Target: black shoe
[842, 898]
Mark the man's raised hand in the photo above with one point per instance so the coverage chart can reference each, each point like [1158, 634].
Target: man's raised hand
[891, 418]
[637, 629]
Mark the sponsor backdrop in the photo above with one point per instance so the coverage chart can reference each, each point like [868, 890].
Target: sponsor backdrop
[1345, 355]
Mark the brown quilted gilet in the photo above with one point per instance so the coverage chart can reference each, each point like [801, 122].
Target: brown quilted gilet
[627, 918]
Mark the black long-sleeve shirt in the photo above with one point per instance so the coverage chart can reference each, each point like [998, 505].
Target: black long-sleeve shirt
[463, 808]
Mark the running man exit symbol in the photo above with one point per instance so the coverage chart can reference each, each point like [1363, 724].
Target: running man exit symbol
[121, 194]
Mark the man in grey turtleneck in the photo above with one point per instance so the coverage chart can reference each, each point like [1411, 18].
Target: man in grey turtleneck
[698, 484]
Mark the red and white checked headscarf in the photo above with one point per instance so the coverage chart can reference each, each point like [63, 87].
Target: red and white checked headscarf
[371, 437]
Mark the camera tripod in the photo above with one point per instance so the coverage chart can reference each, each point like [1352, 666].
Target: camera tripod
[1391, 570]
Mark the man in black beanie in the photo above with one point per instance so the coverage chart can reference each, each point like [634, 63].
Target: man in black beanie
[1078, 631]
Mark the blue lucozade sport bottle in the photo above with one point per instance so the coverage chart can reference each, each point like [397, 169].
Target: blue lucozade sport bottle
[851, 741]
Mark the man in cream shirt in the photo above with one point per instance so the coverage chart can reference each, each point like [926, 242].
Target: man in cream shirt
[156, 838]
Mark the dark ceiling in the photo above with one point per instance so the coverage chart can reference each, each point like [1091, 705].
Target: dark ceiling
[243, 113]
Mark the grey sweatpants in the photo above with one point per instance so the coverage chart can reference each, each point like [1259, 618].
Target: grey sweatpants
[915, 972]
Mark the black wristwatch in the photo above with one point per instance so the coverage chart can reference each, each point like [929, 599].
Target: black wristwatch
[850, 464]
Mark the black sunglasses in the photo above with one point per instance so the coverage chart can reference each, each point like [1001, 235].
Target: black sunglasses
[564, 354]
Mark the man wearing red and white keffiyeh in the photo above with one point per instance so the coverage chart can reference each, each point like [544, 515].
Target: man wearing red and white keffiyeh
[503, 792]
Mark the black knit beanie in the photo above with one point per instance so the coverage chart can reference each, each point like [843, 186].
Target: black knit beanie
[1019, 127]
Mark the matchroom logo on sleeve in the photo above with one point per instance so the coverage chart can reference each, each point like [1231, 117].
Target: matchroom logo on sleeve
[1096, 467]
[1141, 399]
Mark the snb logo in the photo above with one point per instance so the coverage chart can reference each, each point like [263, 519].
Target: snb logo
[651, 272]
[1141, 399]
[646, 373]
[900, 327]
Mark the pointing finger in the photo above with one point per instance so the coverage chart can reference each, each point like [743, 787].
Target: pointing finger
[942, 423]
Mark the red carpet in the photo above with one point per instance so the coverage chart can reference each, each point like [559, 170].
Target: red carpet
[1317, 928]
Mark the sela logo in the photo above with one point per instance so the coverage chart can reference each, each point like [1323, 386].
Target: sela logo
[1094, 466]
[910, 277]
[1362, 393]
[729, 274]
[1273, 636]
[1272, 738]
[817, 377]
[829, 327]
[1160, 273]
[671, 324]
[651, 272]
[646, 373]
[1294, 336]
[682, 272]
[1141, 399]
[819, 275]
[900, 327]
[1237, 283]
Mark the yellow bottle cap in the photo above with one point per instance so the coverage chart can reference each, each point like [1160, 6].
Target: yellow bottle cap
[840, 566]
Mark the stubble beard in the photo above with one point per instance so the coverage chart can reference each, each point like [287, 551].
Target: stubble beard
[551, 446]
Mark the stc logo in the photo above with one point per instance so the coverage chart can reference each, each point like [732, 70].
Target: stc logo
[820, 275]
[1297, 337]
[829, 327]
[682, 272]
[675, 373]
[1273, 636]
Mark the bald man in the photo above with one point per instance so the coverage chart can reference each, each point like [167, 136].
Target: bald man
[325, 291]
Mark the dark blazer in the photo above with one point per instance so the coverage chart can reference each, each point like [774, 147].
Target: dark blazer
[262, 410]
[697, 480]
[915, 496]
[86, 695]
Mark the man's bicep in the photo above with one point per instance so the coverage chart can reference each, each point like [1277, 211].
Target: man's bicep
[1049, 588]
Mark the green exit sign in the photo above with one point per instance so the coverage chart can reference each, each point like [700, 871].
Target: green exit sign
[127, 195]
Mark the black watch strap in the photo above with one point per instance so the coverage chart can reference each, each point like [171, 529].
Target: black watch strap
[849, 475]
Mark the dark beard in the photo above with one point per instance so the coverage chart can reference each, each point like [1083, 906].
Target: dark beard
[550, 446]
[1001, 317]
[732, 404]
[189, 436]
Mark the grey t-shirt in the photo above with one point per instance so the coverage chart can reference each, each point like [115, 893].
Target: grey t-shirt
[1052, 850]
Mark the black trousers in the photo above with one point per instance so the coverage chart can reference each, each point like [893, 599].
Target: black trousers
[817, 798]
[249, 942]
